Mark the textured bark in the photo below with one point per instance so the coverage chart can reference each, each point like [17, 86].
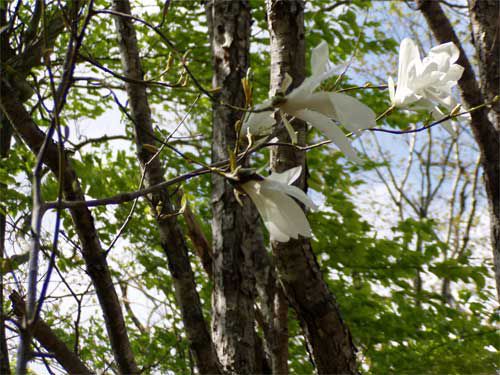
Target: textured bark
[92, 252]
[327, 335]
[49, 340]
[235, 229]
[483, 129]
[485, 21]
[171, 237]
[5, 140]
[200, 243]
[274, 311]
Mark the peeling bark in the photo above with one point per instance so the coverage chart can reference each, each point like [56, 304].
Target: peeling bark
[236, 230]
[327, 335]
[486, 133]
[171, 237]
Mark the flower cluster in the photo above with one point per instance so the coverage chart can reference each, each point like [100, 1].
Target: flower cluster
[322, 110]
[422, 84]
[427, 83]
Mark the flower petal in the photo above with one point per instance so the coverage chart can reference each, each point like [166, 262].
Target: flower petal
[351, 113]
[281, 215]
[447, 48]
[287, 177]
[319, 59]
[392, 91]
[294, 191]
[438, 115]
[408, 55]
[332, 131]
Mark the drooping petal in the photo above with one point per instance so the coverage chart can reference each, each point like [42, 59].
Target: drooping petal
[319, 59]
[281, 215]
[351, 113]
[287, 177]
[294, 191]
[268, 211]
[289, 217]
[318, 102]
[438, 115]
[332, 131]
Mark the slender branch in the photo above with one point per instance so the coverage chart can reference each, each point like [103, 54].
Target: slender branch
[49, 340]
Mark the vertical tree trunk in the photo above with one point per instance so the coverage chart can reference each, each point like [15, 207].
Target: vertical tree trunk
[171, 237]
[485, 21]
[327, 336]
[5, 139]
[236, 230]
[483, 16]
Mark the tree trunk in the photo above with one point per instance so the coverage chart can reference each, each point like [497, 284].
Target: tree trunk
[485, 20]
[328, 337]
[171, 237]
[483, 16]
[5, 139]
[236, 230]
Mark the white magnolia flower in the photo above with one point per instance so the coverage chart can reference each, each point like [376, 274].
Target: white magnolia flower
[317, 108]
[427, 83]
[282, 216]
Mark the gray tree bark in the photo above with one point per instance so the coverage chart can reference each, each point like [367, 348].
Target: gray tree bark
[484, 19]
[327, 335]
[171, 237]
[236, 230]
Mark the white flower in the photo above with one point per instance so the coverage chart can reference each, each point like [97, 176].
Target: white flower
[317, 108]
[427, 83]
[282, 216]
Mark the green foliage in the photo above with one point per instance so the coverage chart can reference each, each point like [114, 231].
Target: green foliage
[397, 327]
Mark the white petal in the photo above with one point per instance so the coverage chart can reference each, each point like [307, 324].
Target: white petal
[447, 48]
[351, 113]
[438, 115]
[319, 59]
[332, 131]
[281, 215]
[318, 102]
[287, 177]
[408, 54]
[287, 215]
[454, 73]
[294, 191]
[392, 91]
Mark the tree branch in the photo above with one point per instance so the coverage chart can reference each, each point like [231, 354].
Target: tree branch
[49, 340]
